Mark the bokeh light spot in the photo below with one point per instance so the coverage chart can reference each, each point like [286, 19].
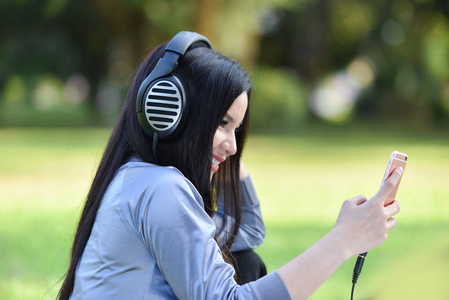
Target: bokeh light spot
[392, 33]
[47, 93]
[76, 90]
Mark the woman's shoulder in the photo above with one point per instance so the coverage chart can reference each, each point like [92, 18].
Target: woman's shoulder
[165, 189]
[142, 176]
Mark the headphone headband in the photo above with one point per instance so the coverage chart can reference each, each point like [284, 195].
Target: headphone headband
[161, 103]
[183, 40]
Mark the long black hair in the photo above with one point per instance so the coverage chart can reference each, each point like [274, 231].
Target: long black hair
[212, 82]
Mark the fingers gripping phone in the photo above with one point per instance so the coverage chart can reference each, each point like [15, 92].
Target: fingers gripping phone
[397, 159]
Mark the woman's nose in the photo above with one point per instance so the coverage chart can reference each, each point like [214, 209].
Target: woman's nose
[230, 144]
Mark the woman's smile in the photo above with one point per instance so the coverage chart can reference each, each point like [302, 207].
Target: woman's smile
[216, 160]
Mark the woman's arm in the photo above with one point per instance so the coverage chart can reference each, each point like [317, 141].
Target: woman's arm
[179, 235]
[361, 225]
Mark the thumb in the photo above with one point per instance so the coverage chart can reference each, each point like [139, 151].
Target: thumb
[388, 186]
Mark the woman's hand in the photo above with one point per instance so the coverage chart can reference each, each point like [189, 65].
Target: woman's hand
[362, 223]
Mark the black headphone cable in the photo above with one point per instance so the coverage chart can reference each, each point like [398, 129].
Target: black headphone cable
[154, 147]
[357, 270]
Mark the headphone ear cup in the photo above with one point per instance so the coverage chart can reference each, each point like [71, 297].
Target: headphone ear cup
[164, 108]
[161, 103]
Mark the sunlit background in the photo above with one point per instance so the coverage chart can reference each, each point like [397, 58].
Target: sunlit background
[337, 85]
[337, 61]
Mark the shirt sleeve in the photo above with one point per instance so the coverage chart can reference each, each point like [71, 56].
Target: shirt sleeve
[180, 236]
[251, 233]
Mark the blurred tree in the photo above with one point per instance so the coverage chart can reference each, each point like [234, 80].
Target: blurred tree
[406, 41]
[279, 100]
[103, 40]
[60, 38]
[403, 39]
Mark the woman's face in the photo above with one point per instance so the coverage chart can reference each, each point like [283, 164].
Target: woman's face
[224, 144]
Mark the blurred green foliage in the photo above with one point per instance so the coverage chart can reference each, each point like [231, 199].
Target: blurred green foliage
[280, 102]
[47, 43]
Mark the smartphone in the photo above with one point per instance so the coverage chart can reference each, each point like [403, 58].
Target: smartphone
[397, 159]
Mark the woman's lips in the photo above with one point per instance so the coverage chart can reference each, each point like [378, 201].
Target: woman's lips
[216, 160]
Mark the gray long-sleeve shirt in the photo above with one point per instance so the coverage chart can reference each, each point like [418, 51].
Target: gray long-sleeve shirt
[252, 230]
[152, 239]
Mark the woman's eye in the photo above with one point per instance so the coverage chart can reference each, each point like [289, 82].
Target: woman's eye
[223, 123]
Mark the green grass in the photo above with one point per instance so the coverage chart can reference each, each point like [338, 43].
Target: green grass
[301, 181]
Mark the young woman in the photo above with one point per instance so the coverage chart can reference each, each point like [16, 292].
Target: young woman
[164, 213]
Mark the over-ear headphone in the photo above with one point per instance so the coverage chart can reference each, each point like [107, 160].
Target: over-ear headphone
[161, 103]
